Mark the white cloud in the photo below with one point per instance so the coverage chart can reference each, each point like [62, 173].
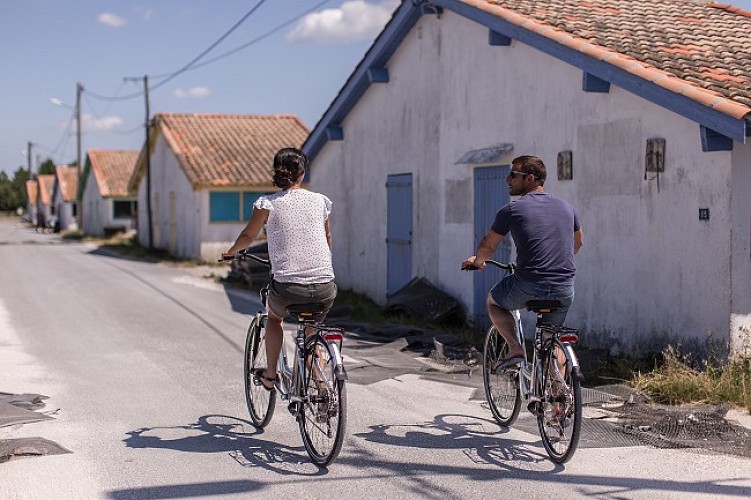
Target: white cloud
[144, 12]
[111, 19]
[195, 92]
[354, 20]
[89, 122]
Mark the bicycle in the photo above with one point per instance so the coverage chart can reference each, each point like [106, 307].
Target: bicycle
[314, 386]
[550, 384]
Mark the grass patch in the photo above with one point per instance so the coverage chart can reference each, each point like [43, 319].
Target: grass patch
[678, 380]
[127, 246]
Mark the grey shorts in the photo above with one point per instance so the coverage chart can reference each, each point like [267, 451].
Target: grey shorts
[513, 293]
[283, 295]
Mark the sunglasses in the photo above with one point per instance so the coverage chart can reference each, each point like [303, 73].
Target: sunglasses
[514, 173]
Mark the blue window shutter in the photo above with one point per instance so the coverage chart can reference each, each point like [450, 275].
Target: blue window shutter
[248, 200]
[224, 207]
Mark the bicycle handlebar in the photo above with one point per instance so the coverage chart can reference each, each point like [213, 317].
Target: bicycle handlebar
[244, 254]
[510, 266]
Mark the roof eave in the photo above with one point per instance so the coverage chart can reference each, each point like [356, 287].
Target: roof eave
[383, 47]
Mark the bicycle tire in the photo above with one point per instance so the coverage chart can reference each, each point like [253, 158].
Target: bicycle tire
[261, 402]
[559, 421]
[323, 419]
[502, 390]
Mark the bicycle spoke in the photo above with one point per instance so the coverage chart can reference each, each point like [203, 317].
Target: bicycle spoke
[323, 421]
[501, 389]
[260, 402]
[560, 419]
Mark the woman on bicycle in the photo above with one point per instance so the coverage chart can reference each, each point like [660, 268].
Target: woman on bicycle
[299, 240]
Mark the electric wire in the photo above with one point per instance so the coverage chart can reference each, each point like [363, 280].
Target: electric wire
[252, 42]
[176, 73]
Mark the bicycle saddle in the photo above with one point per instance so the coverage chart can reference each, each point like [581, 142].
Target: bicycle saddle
[543, 306]
[306, 309]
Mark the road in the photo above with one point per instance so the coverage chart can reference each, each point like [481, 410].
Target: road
[142, 364]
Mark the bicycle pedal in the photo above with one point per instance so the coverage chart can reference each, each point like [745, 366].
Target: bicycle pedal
[293, 409]
[534, 408]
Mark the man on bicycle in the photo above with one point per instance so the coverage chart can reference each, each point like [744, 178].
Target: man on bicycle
[547, 233]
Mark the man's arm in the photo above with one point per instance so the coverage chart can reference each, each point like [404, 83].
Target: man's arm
[578, 240]
[485, 249]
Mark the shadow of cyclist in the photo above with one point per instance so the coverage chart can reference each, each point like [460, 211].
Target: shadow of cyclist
[479, 438]
[226, 434]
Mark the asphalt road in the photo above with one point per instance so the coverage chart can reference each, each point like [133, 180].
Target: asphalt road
[142, 364]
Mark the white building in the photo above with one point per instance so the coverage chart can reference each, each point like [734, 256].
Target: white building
[205, 172]
[65, 197]
[107, 205]
[642, 121]
[46, 184]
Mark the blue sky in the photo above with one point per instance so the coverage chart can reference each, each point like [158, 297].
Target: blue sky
[47, 46]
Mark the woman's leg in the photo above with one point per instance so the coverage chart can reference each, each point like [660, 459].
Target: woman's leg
[274, 337]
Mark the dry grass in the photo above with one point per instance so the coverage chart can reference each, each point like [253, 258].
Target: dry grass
[678, 381]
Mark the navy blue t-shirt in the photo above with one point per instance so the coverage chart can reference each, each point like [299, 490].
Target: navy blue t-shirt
[543, 230]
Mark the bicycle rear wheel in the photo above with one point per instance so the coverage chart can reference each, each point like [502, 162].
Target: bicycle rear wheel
[261, 402]
[560, 419]
[501, 390]
[323, 419]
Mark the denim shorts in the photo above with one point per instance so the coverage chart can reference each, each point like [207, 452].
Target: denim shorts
[513, 293]
[283, 295]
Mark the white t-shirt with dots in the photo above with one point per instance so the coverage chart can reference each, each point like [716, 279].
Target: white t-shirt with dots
[298, 249]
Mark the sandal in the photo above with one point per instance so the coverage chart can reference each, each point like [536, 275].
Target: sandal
[260, 374]
[505, 363]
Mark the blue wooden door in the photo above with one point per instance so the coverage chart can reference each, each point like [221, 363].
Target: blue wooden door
[398, 231]
[491, 193]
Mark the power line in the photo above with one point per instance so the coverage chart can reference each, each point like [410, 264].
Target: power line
[187, 66]
[254, 41]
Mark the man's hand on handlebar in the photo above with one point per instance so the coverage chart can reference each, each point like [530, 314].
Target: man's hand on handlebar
[472, 264]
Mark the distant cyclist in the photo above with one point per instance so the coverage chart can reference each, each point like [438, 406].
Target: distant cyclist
[547, 233]
[299, 239]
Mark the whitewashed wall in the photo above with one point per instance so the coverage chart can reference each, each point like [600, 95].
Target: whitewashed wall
[648, 262]
[95, 208]
[64, 212]
[740, 266]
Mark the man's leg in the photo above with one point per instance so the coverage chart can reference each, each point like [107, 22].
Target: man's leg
[505, 324]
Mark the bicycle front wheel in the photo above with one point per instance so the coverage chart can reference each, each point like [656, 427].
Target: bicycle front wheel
[323, 419]
[261, 402]
[501, 390]
[560, 419]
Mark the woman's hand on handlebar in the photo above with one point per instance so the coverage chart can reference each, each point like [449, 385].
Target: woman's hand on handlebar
[472, 264]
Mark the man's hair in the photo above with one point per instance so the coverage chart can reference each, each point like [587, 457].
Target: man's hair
[289, 164]
[531, 165]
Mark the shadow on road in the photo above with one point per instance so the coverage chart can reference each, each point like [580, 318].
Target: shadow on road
[225, 434]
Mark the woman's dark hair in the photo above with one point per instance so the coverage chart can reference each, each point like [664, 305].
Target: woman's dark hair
[289, 164]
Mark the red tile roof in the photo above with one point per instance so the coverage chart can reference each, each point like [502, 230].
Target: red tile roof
[698, 49]
[228, 150]
[112, 170]
[32, 190]
[46, 185]
[67, 179]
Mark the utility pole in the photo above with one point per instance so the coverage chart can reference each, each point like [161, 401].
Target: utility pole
[79, 196]
[28, 156]
[147, 154]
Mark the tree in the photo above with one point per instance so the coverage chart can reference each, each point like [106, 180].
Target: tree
[7, 196]
[13, 191]
[47, 167]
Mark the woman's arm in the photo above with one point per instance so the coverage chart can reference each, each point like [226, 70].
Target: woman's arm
[329, 240]
[250, 233]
